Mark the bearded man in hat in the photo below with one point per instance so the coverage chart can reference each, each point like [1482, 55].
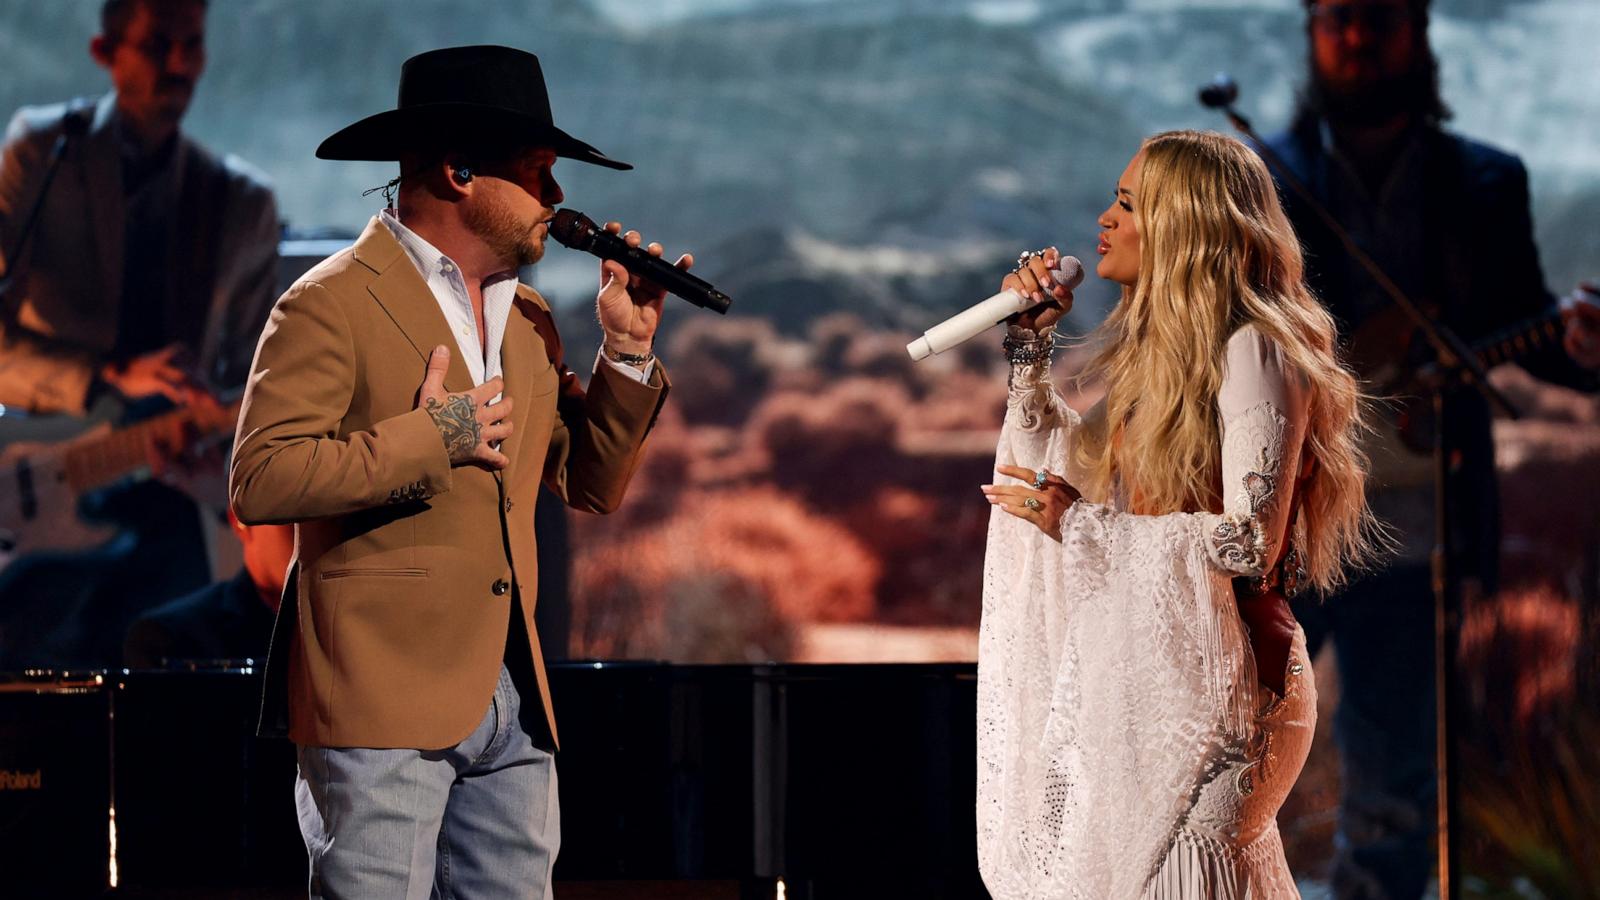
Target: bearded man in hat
[408, 398]
[1447, 218]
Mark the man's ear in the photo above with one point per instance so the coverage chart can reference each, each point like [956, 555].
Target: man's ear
[100, 49]
[459, 173]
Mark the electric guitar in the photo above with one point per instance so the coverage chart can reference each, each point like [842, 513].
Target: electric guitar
[1411, 388]
[48, 463]
[1416, 418]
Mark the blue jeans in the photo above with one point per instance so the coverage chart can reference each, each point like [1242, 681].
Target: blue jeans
[480, 819]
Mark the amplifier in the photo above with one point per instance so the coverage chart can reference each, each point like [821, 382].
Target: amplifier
[202, 803]
[147, 782]
[56, 819]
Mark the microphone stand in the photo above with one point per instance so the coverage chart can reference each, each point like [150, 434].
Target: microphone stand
[1454, 358]
[73, 123]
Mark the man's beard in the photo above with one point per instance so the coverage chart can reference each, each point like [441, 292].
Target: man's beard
[1375, 102]
[507, 237]
[171, 97]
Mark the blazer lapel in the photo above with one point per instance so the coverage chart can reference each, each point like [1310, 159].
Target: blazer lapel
[404, 295]
[521, 357]
[102, 166]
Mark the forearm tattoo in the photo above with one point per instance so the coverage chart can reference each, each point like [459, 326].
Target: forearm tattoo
[457, 421]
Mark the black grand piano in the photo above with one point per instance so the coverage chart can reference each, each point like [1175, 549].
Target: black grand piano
[812, 782]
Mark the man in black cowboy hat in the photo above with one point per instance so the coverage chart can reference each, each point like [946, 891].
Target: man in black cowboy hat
[404, 663]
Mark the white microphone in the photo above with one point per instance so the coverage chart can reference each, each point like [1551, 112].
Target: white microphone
[975, 320]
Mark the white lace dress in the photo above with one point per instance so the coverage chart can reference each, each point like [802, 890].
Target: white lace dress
[1126, 748]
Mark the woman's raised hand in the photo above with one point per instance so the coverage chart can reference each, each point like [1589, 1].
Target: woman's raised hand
[1032, 278]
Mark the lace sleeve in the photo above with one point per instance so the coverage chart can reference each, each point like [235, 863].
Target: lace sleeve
[1031, 400]
[1263, 407]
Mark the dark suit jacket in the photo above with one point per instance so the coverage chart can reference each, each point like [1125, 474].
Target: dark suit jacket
[61, 317]
[1482, 276]
[221, 621]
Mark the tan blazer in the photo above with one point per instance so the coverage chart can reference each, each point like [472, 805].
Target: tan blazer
[60, 321]
[394, 620]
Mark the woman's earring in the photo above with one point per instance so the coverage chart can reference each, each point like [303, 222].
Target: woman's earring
[464, 175]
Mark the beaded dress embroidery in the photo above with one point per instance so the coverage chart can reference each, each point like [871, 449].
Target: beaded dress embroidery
[1126, 748]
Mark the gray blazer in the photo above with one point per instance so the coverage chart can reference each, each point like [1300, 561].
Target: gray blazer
[60, 319]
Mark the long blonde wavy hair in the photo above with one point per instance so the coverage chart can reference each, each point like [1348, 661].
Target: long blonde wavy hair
[1216, 253]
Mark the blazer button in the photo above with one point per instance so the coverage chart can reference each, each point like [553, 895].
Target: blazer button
[500, 587]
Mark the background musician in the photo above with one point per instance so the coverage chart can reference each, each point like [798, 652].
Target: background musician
[144, 285]
[1448, 219]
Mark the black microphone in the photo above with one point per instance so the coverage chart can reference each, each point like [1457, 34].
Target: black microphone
[76, 120]
[576, 230]
[1219, 92]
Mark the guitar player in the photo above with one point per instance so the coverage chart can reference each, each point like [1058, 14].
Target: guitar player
[1448, 219]
[144, 285]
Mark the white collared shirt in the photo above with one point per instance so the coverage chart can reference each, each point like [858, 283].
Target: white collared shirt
[449, 289]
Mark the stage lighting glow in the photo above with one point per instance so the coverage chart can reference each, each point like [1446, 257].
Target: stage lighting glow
[111, 863]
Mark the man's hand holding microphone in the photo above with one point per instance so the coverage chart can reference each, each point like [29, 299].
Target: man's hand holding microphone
[628, 306]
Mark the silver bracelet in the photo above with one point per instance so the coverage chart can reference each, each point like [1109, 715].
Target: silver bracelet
[1024, 347]
[627, 359]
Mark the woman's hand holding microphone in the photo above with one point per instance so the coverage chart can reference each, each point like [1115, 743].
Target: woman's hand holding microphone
[1034, 278]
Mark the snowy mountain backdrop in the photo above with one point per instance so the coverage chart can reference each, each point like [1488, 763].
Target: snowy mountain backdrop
[883, 156]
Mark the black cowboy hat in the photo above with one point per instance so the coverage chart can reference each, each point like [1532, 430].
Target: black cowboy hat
[496, 93]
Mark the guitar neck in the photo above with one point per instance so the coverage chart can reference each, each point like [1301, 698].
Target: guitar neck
[96, 462]
[1520, 340]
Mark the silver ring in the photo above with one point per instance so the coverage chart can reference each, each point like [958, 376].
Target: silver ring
[1040, 478]
[1024, 256]
[1033, 504]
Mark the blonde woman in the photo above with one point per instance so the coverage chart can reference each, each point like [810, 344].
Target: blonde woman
[1145, 701]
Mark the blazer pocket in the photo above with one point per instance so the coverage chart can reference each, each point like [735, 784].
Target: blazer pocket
[359, 571]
